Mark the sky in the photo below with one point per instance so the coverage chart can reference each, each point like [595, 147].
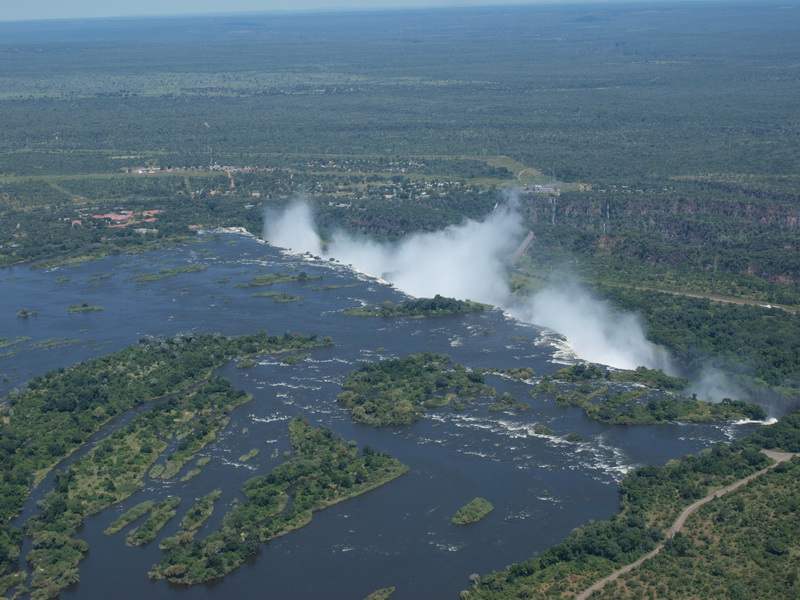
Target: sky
[80, 9]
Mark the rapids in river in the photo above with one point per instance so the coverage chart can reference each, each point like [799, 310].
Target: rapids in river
[398, 535]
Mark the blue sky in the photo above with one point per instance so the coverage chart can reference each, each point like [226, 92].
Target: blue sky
[69, 9]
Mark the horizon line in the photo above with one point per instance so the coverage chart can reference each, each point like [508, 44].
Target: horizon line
[344, 9]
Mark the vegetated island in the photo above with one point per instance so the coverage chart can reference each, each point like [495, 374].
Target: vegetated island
[381, 594]
[273, 278]
[58, 412]
[419, 307]
[84, 307]
[326, 470]
[114, 470]
[472, 512]
[167, 273]
[399, 391]
[755, 528]
[607, 396]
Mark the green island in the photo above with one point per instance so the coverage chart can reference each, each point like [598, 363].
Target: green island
[381, 594]
[325, 471]
[24, 313]
[201, 510]
[506, 401]
[85, 307]
[252, 454]
[419, 307]
[472, 512]
[159, 515]
[278, 296]
[274, 278]
[166, 273]
[293, 359]
[654, 400]
[6, 342]
[114, 470]
[129, 516]
[189, 474]
[734, 546]
[57, 412]
[399, 391]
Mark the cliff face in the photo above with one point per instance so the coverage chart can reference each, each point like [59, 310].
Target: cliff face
[639, 207]
[733, 232]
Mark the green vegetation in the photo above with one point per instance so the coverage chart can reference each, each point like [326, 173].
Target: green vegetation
[274, 278]
[85, 307]
[382, 594]
[665, 169]
[507, 402]
[543, 430]
[633, 163]
[59, 411]
[114, 470]
[159, 515]
[129, 516]
[6, 342]
[420, 307]
[474, 511]
[166, 273]
[397, 391]
[189, 474]
[326, 470]
[25, 313]
[202, 509]
[278, 296]
[653, 401]
[252, 454]
[293, 359]
[743, 545]
[652, 498]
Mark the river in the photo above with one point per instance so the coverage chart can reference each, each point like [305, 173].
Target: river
[398, 535]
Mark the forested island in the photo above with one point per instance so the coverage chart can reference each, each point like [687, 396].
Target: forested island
[59, 411]
[419, 307]
[591, 387]
[327, 470]
[400, 391]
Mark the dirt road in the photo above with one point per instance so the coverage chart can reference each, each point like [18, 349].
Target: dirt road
[778, 457]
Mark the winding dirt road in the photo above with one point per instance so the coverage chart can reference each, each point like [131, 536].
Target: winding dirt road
[778, 457]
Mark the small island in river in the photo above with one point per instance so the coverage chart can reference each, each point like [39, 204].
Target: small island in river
[472, 512]
[419, 308]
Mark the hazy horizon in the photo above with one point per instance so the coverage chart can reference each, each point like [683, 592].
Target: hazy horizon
[44, 10]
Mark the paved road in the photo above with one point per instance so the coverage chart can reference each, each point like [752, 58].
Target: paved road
[778, 457]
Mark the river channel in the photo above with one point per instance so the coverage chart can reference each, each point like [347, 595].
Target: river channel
[398, 535]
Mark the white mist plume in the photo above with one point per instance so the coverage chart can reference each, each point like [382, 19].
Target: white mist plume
[293, 228]
[468, 261]
[462, 261]
[713, 386]
[596, 331]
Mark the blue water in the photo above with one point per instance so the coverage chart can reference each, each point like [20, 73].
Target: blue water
[398, 535]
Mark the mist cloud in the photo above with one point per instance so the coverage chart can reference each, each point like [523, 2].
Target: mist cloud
[596, 331]
[469, 261]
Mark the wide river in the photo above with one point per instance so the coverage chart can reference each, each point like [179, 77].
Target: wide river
[398, 535]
